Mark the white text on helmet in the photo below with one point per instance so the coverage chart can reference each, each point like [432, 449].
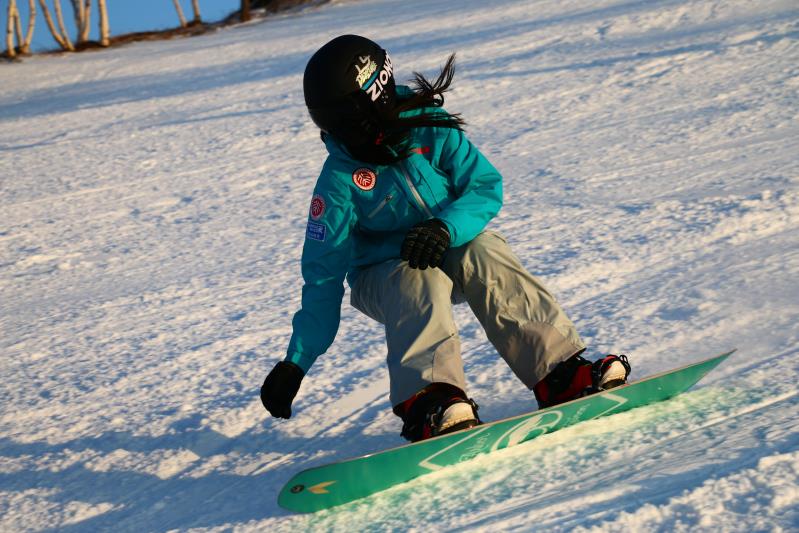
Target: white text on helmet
[376, 89]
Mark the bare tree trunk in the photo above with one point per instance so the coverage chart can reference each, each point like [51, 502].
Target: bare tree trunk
[179, 9]
[63, 43]
[82, 9]
[87, 24]
[103, 13]
[195, 4]
[18, 28]
[245, 10]
[12, 14]
[60, 17]
[79, 12]
[26, 45]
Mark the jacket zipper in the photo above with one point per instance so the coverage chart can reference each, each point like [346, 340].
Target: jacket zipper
[414, 192]
[380, 206]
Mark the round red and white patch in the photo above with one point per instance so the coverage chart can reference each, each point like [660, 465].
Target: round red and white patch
[317, 207]
[365, 179]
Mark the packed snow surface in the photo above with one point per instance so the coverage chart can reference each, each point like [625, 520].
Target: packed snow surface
[153, 200]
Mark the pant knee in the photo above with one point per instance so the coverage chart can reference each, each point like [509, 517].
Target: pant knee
[485, 257]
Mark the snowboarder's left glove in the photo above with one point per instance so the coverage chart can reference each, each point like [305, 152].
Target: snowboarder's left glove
[425, 244]
[280, 387]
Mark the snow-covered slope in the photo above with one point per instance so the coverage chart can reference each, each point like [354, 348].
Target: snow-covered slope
[152, 208]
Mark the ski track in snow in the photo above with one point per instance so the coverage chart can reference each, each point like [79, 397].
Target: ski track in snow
[152, 209]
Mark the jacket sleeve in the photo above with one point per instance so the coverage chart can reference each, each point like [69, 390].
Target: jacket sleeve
[478, 187]
[325, 261]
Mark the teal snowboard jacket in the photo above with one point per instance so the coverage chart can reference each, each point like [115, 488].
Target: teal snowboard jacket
[360, 214]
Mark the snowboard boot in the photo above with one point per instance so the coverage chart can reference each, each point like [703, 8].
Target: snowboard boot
[438, 409]
[577, 377]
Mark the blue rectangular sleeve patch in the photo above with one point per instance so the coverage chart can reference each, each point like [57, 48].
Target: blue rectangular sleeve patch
[316, 231]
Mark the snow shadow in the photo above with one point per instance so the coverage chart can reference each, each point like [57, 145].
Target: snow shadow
[715, 46]
[479, 34]
[137, 88]
[146, 502]
[687, 455]
[215, 479]
[75, 97]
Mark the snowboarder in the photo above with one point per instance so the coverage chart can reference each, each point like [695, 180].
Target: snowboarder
[400, 210]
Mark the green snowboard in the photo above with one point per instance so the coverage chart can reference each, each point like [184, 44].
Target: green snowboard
[336, 483]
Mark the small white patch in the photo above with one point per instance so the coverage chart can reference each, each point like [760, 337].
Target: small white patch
[316, 231]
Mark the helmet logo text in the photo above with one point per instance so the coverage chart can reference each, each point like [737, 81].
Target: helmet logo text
[365, 70]
[381, 80]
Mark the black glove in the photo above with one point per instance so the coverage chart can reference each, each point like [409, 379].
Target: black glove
[280, 387]
[425, 244]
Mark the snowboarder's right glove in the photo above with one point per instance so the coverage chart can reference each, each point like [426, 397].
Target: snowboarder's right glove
[425, 244]
[280, 387]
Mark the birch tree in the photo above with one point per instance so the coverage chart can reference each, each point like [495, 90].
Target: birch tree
[179, 9]
[61, 26]
[14, 28]
[25, 47]
[13, 14]
[195, 4]
[18, 29]
[82, 10]
[88, 18]
[60, 35]
[104, 31]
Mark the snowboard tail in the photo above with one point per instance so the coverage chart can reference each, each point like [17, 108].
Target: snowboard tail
[333, 484]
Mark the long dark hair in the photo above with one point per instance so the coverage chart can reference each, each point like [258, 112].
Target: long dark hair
[393, 143]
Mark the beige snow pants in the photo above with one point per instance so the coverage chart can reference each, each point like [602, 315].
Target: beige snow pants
[521, 318]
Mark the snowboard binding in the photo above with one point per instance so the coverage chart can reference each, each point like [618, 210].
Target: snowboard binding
[438, 409]
[577, 377]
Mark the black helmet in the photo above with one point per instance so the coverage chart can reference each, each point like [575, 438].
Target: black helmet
[349, 88]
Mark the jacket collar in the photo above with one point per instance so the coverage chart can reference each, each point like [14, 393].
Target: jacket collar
[337, 149]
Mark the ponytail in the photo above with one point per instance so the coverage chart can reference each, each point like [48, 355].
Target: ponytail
[393, 145]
